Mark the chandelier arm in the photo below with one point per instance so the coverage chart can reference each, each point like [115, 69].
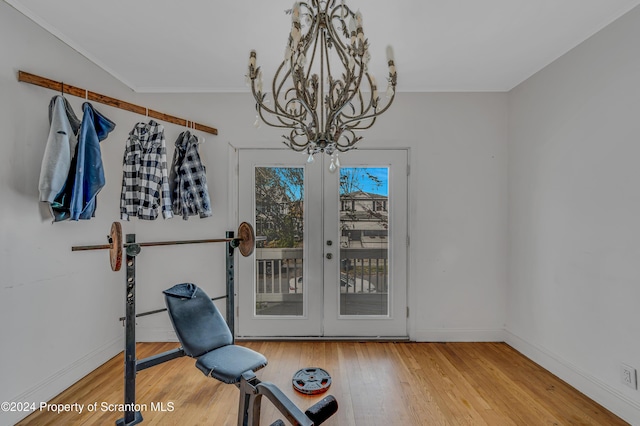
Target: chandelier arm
[324, 106]
[335, 16]
[302, 102]
[370, 121]
[333, 106]
[346, 95]
[370, 104]
[306, 102]
[351, 139]
[276, 92]
[363, 115]
[291, 142]
[261, 108]
[313, 33]
[277, 95]
[300, 81]
[297, 62]
[328, 98]
[317, 95]
[349, 95]
[281, 112]
[259, 97]
[343, 54]
[368, 117]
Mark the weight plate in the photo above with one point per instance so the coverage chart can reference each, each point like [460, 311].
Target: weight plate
[311, 381]
[115, 252]
[247, 239]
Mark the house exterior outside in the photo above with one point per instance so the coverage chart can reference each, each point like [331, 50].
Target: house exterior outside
[364, 219]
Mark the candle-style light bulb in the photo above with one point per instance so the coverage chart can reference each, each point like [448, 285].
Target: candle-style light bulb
[352, 28]
[310, 159]
[390, 56]
[359, 29]
[295, 12]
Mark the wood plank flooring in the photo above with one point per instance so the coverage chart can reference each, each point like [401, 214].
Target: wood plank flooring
[375, 383]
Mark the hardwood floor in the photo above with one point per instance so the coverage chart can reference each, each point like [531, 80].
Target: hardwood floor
[375, 384]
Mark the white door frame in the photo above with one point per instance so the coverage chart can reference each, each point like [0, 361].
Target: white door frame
[317, 314]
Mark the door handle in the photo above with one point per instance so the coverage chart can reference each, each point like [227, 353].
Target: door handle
[329, 256]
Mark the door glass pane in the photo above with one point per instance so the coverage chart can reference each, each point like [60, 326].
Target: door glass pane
[279, 195]
[364, 240]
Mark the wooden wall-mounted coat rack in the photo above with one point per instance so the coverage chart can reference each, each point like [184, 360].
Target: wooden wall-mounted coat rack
[107, 100]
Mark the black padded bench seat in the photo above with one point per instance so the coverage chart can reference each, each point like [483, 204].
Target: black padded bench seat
[204, 335]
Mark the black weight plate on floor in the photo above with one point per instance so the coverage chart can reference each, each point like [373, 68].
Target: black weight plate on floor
[311, 381]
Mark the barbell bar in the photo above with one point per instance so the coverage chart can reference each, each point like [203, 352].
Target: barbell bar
[245, 242]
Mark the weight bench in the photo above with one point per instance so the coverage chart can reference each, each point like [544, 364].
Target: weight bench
[204, 335]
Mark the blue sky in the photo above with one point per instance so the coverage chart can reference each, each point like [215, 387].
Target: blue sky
[370, 185]
[378, 183]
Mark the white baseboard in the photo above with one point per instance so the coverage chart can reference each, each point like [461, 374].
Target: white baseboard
[458, 335]
[602, 393]
[63, 379]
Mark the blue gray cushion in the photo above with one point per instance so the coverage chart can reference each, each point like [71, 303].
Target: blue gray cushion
[205, 335]
[229, 362]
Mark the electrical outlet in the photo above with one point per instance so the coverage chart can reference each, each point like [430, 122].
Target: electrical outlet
[628, 376]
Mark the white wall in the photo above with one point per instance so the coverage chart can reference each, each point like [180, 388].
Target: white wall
[574, 213]
[60, 309]
[457, 211]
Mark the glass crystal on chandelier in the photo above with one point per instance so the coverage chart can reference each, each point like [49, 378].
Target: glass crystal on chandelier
[322, 92]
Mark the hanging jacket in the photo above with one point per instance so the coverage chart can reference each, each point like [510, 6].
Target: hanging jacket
[61, 146]
[145, 183]
[89, 169]
[86, 175]
[188, 179]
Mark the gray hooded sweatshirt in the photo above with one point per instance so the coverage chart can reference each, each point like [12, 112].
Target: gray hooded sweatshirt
[61, 145]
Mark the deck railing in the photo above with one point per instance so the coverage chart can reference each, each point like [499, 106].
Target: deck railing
[280, 271]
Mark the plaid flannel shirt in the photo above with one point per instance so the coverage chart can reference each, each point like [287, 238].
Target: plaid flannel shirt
[188, 179]
[144, 180]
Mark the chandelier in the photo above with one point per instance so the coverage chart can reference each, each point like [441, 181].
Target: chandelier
[322, 92]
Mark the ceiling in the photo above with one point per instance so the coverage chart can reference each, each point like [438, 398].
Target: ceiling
[440, 45]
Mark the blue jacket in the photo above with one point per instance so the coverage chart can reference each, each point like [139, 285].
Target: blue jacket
[86, 176]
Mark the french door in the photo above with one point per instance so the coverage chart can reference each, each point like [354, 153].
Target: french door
[332, 258]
